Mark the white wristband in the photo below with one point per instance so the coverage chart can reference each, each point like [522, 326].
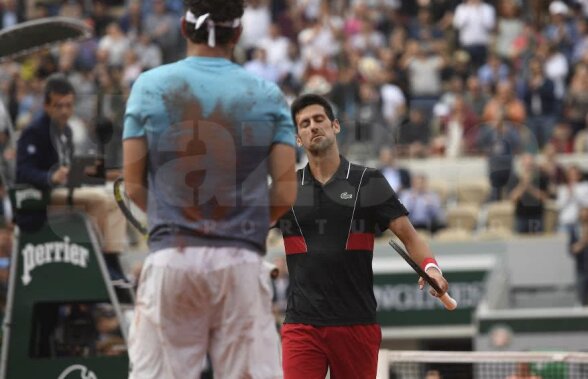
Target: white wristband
[429, 265]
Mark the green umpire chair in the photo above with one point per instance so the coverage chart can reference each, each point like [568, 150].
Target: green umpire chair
[63, 319]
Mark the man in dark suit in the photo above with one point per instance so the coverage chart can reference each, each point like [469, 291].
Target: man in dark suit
[44, 155]
[398, 177]
[45, 148]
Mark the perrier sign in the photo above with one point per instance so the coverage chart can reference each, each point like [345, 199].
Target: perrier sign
[65, 252]
[58, 289]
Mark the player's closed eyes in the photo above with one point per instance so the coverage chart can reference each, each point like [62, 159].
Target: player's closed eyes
[316, 119]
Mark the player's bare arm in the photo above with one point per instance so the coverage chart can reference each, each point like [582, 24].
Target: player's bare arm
[417, 249]
[134, 170]
[282, 161]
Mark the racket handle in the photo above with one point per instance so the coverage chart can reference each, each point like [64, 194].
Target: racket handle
[271, 269]
[449, 302]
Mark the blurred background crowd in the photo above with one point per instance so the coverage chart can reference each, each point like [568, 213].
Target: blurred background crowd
[501, 80]
[431, 77]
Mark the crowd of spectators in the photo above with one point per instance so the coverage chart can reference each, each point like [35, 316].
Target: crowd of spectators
[434, 77]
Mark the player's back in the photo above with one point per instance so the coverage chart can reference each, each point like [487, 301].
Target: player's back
[209, 126]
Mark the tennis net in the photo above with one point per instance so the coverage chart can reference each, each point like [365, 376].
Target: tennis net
[481, 365]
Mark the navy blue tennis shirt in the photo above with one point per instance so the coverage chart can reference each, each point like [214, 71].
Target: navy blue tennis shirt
[329, 241]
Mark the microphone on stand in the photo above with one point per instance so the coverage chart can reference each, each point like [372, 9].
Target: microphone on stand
[103, 131]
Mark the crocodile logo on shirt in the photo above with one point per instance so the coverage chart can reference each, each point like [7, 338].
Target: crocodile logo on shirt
[346, 196]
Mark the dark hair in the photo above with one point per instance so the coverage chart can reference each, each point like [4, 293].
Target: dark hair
[220, 11]
[311, 99]
[57, 83]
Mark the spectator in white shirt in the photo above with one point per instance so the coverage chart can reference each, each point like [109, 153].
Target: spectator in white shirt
[260, 66]
[393, 102]
[319, 40]
[556, 67]
[256, 22]
[571, 196]
[275, 45]
[115, 43]
[475, 21]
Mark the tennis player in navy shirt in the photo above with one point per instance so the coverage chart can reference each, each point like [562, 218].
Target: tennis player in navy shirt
[329, 238]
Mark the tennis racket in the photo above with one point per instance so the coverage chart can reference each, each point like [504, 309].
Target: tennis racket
[133, 215]
[131, 212]
[448, 301]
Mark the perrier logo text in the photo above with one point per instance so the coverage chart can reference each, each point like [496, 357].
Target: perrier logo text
[52, 252]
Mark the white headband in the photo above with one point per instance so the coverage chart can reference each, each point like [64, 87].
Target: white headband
[191, 18]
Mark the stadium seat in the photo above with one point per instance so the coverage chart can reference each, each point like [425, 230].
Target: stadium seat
[441, 188]
[473, 191]
[550, 217]
[500, 215]
[424, 235]
[463, 216]
[495, 233]
[453, 235]
[581, 144]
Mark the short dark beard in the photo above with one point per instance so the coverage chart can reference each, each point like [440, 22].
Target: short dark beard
[321, 147]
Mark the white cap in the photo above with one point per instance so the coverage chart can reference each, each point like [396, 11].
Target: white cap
[558, 7]
[441, 110]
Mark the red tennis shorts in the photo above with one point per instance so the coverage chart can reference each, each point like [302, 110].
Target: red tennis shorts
[349, 351]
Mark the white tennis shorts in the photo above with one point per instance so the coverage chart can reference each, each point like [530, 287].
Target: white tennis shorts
[204, 300]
